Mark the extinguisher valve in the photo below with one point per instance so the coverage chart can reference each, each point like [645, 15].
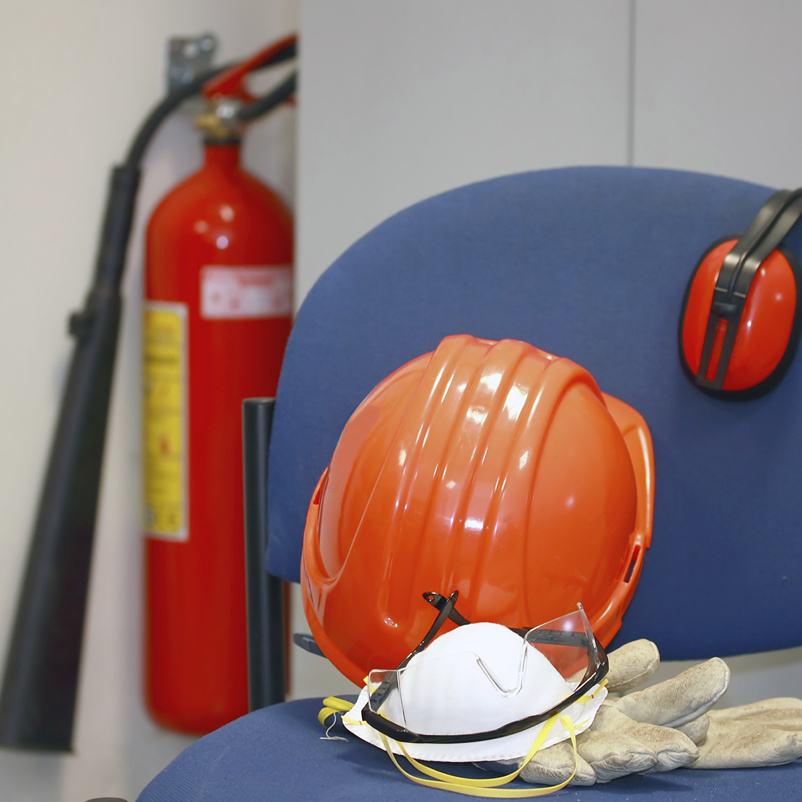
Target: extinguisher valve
[223, 120]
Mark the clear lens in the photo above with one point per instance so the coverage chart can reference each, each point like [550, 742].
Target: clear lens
[568, 644]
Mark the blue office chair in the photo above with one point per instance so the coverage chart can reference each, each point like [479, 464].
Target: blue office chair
[588, 263]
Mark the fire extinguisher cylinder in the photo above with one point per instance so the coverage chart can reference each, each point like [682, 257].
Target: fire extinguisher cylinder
[218, 306]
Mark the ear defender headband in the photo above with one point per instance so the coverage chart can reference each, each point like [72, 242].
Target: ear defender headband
[739, 326]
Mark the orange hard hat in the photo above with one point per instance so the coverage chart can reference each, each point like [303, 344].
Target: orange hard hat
[490, 468]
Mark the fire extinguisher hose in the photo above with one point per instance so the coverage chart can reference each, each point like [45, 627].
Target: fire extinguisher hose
[37, 702]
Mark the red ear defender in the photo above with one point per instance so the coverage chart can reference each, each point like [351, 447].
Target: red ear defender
[739, 326]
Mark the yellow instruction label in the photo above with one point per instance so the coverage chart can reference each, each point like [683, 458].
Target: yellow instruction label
[164, 384]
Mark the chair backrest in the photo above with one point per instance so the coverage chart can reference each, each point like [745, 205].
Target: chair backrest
[591, 264]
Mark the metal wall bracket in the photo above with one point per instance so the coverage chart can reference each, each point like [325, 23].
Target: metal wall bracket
[188, 57]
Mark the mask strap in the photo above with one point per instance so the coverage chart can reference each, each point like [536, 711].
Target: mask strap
[488, 787]
[331, 706]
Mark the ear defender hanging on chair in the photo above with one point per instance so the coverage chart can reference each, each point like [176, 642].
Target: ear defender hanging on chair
[491, 468]
[739, 325]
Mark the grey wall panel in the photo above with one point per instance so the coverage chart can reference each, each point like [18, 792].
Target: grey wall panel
[404, 100]
[717, 87]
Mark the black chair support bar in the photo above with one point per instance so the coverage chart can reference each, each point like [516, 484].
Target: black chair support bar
[266, 651]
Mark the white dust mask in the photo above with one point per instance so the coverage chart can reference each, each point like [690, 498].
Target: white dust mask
[483, 692]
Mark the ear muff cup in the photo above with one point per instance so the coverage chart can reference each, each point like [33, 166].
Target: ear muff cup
[767, 329]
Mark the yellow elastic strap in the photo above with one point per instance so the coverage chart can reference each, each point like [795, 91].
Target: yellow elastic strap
[488, 787]
[466, 785]
[332, 705]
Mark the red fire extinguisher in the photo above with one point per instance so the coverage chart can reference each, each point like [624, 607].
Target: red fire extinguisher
[218, 305]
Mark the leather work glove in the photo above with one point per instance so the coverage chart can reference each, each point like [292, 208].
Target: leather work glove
[668, 725]
[636, 736]
[767, 733]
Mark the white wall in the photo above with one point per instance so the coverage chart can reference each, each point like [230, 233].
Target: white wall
[79, 79]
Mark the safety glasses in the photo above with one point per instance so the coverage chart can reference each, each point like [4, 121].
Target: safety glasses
[568, 644]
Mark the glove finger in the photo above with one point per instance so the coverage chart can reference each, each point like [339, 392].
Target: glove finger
[670, 747]
[554, 765]
[696, 730]
[681, 699]
[612, 755]
[781, 708]
[631, 665]
[741, 744]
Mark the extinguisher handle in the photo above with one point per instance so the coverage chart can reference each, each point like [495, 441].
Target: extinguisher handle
[231, 82]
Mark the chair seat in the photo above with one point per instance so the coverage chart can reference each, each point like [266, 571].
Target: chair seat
[279, 753]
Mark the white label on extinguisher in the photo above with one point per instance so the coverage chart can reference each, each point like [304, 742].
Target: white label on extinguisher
[235, 293]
